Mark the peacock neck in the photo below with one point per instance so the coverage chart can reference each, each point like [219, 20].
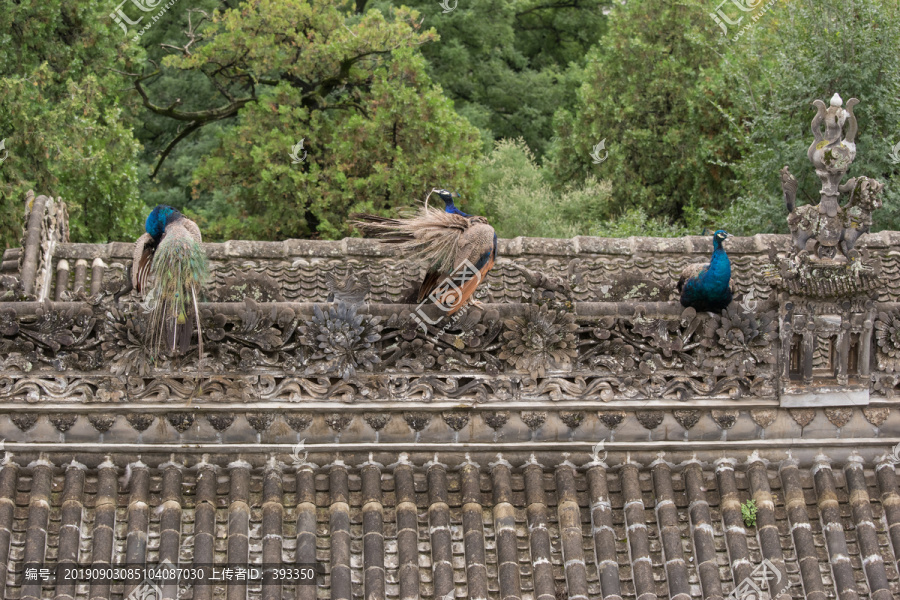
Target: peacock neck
[451, 208]
[719, 265]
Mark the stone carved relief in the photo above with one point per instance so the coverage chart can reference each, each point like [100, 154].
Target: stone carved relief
[824, 261]
[267, 352]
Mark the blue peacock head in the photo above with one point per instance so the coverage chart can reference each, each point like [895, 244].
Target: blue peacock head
[159, 218]
[719, 237]
[449, 206]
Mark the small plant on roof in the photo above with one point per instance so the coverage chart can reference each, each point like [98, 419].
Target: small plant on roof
[748, 511]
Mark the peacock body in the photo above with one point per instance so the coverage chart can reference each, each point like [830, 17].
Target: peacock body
[170, 269]
[707, 287]
[445, 241]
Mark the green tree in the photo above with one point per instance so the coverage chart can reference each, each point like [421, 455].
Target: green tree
[518, 198]
[799, 52]
[377, 133]
[508, 66]
[61, 118]
[650, 93]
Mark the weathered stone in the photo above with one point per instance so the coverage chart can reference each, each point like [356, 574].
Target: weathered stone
[495, 419]
[220, 421]
[140, 421]
[534, 419]
[63, 422]
[298, 421]
[258, 286]
[650, 419]
[839, 416]
[876, 416]
[724, 418]
[102, 423]
[180, 421]
[377, 421]
[24, 421]
[456, 421]
[687, 418]
[763, 416]
[417, 421]
[260, 421]
[572, 419]
[338, 422]
[803, 416]
[612, 419]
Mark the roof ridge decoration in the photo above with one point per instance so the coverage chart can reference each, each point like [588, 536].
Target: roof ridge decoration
[824, 262]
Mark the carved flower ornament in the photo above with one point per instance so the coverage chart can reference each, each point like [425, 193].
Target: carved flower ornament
[739, 330]
[343, 340]
[887, 333]
[540, 337]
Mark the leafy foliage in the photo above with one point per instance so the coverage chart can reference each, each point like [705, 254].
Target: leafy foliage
[508, 66]
[748, 512]
[376, 131]
[65, 130]
[648, 91]
[802, 51]
[519, 200]
[391, 101]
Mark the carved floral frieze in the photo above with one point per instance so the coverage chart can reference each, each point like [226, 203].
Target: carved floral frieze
[268, 351]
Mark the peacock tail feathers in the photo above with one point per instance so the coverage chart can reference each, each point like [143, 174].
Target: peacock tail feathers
[430, 235]
[178, 272]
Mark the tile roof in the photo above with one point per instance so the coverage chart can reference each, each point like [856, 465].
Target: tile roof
[493, 531]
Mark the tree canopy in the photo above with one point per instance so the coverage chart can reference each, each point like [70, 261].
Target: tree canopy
[270, 119]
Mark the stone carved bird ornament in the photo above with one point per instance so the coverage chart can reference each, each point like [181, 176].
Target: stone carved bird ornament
[169, 270]
[444, 240]
[707, 287]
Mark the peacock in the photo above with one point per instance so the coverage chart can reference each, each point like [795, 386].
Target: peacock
[442, 239]
[707, 287]
[169, 270]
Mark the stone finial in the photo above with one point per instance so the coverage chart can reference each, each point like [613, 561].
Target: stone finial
[825, 234]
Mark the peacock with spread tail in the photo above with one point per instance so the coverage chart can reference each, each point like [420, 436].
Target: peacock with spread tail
[169, 270]
[707, 287]
[444, 240]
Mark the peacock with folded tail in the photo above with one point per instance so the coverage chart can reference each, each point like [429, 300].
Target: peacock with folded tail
[169, 270]
[707, 287]
[444, 240]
